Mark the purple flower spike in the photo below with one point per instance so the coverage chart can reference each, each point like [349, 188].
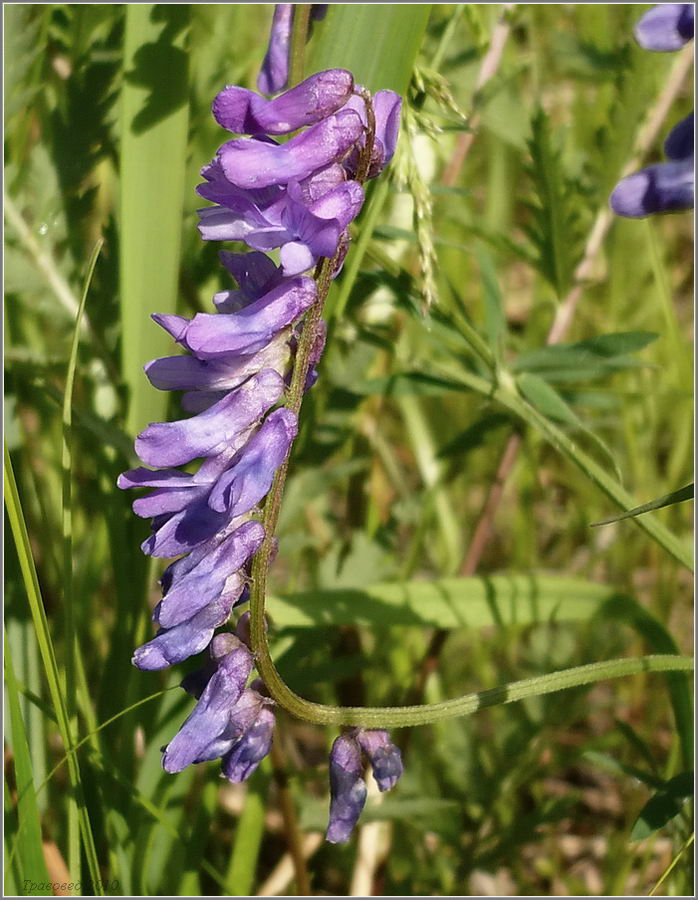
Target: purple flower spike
[210, 718]
[175, 443]
[347, 789]
[251, 163]
[384, 757]
[209, 336]
[244, 112]
[250, 749]
[667, 26]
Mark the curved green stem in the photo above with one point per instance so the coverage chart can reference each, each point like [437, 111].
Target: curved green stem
[402, 716]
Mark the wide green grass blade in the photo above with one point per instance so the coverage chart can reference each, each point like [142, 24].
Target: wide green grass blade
[377, 42]
[48, 656]
[154, 119]
[30, 853]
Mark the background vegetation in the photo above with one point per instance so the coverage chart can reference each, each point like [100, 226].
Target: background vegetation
[413, 562]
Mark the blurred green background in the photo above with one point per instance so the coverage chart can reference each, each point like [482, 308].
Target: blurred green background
[391, 584]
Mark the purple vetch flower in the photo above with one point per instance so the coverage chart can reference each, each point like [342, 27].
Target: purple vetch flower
[200, 734]
[209, 433]
[663, 187]
[386, 109]
[667, 26]
[244, 112]
[347, 786]
[254, 163]
[347, 789]
[253, 744]
[273, 76]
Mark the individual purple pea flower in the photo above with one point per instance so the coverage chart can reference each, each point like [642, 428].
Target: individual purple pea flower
[273, 76]
[668, 186]
[347, 786]
[254, 163]
[243, 112]
[255, 739]
[665, 27]
[198, 738]
[386, 109]
[347, 789]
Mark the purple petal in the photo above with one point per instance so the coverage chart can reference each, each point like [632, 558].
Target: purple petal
[176, 443]
[240, 488]
[142, 477]
[173, 645]
[665, 187]
[251, 163]
[679, 143]
[383, 756]
[185, 530]
[387, 106]
[296, 258]
[250, 749]
[174, 325]
[205, 581]
[252, 328]
[667, 26]
[244, 112]
[255, 273]
[347, 789]
[274, 73]
[187, 373]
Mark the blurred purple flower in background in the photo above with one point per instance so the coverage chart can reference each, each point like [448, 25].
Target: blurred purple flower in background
[273, 76]
[663, 187]
[299, 198]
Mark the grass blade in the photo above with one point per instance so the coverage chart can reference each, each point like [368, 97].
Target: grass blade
[154, 119]
[377, 42]
[30, 853]
[38, 612]
[680, 496]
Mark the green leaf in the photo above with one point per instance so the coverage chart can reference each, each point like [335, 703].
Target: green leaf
[154, 117]
[593, 358]
[554, 229]
[377, 42]
[547, 400]
[31, 857]
[663, 806]
[680, 496]
[48, 657]
[447, 603]
[475, 435]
